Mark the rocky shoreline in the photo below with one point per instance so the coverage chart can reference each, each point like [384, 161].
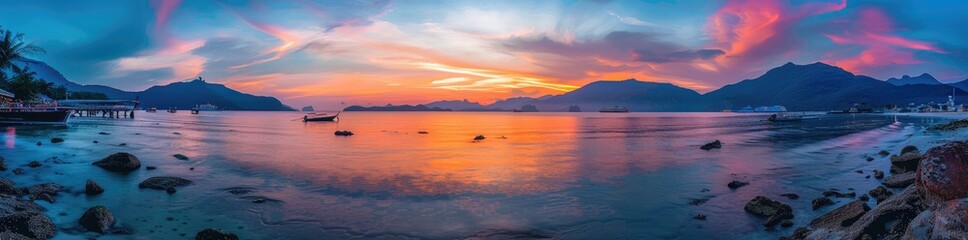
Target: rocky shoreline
[932, 205]
[22, 218]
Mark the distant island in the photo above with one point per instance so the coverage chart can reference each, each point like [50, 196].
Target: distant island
[401, 108]
[811, 87]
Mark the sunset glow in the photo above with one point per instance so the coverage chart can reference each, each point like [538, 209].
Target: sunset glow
[376, 52]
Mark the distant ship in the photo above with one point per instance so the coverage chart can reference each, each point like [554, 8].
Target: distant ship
[206, 107]
[615, 109]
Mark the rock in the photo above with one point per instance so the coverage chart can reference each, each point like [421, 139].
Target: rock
[34, 164]
[180, 157]
[859, 171]
[97, 219]
[170, 190]
[909, 149]
[943, 174]
[479, 138]
[215, 234]
[883, 153]
[899, 180]
[736, 184]
[950, 126]
[3, 165]
[163, 183]
[712, 145]
[869, 159]
[791, 196]
[920, 227]
[697, 202]
[800, 233]
[699, 217]
[766, 207]
[951, 220]
[95, 141]
[880, 193]
[905, 163]
[91, 188]
[835, 193]
[423, 132]
[7, 187]
[24, 218]
[786, 223]
[46, 192]
[878, 174]
[103, 133]
[56, 140]
[841, 217]
[864, 197]
[890, 218]
[343, 133]
[150, 167]
[18, 171]
[39, 143]
[119, 162]
[819, 202]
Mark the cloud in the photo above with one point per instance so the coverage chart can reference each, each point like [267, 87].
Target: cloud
[881, 48]
[632, 20]
[678, 56]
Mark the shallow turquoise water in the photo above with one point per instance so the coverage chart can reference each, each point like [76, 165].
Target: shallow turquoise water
[558, 175]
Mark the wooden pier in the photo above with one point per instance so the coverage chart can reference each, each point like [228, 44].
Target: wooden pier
[102, 108]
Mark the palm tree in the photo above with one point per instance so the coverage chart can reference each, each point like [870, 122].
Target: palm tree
[13, 48]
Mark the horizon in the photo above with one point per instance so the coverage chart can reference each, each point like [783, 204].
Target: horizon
[374, 53]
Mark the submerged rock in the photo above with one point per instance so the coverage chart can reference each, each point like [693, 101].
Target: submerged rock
[215, 234]
[18, 171]
[791, 196]
[34, 164]
[699, 217]
[736, 184]
[343, 133]
[880, 193]
[712, 145]
[819, 202]
[97, 219]
[119, 162]
[943, 174]
[766, 207]
[91, 188]
[103, 133]
[899, 180]
[950, 126]
[423, 132]
[46, 192]
[164, 183]
[180, 157]
[56, 140]
[479, 138]
[883, 153]
[835, 193]
[878, 174]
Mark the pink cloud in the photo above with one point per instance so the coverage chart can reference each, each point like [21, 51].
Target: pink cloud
[875, 33]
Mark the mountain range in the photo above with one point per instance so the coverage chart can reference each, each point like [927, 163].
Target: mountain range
[810, 87]
[181, 95]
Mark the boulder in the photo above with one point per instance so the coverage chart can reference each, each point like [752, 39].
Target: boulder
[164, 183]
[951, 220]
[841, 217]
[883, 153]
[890, 218]
[880, 193]
[766, 207]
[20, 217]
[119, 162]
[878, 174]
[906, 162]
[943, 174]
[215, 234]
[820, 202]
[909, 149]
[899, 180]
[920, 227]
[712, 145]
[91, 188]
[97, 219]
[45, 191]
[736, 184]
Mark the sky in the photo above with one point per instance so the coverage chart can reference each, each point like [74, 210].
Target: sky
[324, 53]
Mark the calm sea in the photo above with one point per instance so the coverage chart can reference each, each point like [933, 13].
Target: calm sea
[557, 175]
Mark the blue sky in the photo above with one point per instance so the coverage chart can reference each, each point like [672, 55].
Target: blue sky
[374, 52]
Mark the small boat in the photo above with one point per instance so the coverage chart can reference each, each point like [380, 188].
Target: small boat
[172, 110]
[320, 117]
[615, 109]
[790, 117]
[35, 115]
[151, 109]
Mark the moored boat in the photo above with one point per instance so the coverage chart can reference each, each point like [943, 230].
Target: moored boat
[320, 117]
[35, 115]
